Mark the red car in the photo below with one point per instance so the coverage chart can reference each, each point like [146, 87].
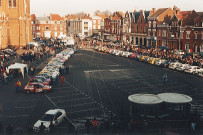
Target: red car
[37, 88]
[37, 80]
[132, 56]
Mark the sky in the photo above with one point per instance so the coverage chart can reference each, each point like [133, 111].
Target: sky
[64, 7]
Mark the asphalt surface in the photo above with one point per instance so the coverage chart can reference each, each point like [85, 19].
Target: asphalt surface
[98, 86]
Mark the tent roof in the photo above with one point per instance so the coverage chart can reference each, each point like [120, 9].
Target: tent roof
[175, 98]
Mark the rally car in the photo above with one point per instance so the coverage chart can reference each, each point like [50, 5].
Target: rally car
[37, 88]
[50, 119]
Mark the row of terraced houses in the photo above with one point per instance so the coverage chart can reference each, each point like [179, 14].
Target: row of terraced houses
[165, 27]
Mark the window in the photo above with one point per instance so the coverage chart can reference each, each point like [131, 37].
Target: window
[188, 46]
[55, 28]
[196, 35]
[0, 3]
[154, 33]
[188, 35]
[61, 28]
[86, 23]
[32, 22]
[46, 28]
[99, 27]
[196, 24]
[181, 34]
[154, 24]
[137, 29]
[99, 21]
[164, 43]
[33, 27]
[149, 24]
[85, 28]
[94, 26]
[149, 32]
[94, 21]
[14, 3]
[10, 3]
[159, 33]
[164, 33]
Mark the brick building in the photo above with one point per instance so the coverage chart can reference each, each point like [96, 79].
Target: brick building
[140, 27]
[15, 23]
[161, 16]
[47, 27]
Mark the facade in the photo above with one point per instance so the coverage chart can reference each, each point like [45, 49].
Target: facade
[127, 27]
[97, 24]
[79, 25]
[46, 27]
[15, 23]
[161, 16]
[139, 27]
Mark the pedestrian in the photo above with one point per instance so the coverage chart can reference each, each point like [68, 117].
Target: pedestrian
[18, 85]
[9, 130]
[87, 126]
[62, 80]
[67, 70]
[32, 70]
[42, 128]
[19, 130]
[193, 127]
[165, 77]
[51, 81]
[95, 125]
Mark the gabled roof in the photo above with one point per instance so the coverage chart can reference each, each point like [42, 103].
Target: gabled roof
[159, 12]
[55, 17]
[146, 15]
[43, 18]
[182, 14]
[33, 17]
[136, 16]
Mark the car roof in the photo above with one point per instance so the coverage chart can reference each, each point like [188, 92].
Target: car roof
[54, 111]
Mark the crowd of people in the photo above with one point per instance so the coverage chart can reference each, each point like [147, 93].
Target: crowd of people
[170, 55]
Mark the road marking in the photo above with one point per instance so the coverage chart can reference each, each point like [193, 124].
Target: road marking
[65, 96]
[70, 100]
[26, 107]
[51, 101]
[86, 110]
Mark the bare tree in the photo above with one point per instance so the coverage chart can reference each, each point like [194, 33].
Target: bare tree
[106, 13]
[97, 12]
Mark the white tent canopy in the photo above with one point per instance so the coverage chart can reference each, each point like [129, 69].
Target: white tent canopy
[18, 66]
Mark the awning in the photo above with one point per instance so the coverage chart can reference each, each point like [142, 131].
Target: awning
[18, 66]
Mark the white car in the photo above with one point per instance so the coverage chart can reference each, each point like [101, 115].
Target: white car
[183, 67]
[174, 65]
[117, 52]
[127, 54]
[54, 117]
[120, 53]
[192, 69]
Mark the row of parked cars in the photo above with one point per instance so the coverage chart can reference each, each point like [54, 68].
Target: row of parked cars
[7, 53]
[41, 82]
[155, 61]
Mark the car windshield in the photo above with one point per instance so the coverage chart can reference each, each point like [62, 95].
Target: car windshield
[47, 117]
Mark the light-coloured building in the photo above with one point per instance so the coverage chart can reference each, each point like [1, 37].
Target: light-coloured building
[15, 23]
[86, 27]
[47, 27]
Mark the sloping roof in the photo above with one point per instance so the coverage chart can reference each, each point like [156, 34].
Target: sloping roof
[43, 18]
[146, 14]
[33, 17]
[55, 17]
[182, 14]
[103, 16]
[136, 16]
[159, 12]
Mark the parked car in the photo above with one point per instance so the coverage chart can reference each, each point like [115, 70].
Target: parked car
[126, 54]
[51, 118]
[146, 59]
[38, 80]
[174, 65]
[133, 55]
[165, 63]
[182, 67]
[192, 69]
[142, 58]
[30, 88]
[151, 60]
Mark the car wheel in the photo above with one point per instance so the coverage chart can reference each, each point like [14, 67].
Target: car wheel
[28, 91]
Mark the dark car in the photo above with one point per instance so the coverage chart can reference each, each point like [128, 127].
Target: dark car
[165, 64]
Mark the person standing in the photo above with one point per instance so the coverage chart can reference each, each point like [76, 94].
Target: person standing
[165, 77]
[32, 70]
[95, 125]
[67, 70]
[62, 80]
[42, 128]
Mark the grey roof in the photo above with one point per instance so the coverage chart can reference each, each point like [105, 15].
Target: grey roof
[43, 18]
[136, 16]
[146, 13]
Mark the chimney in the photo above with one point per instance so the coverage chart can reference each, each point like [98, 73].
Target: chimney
[153, 10]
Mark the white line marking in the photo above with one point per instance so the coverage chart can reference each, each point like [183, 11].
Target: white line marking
[86, 110]
[70, 100]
